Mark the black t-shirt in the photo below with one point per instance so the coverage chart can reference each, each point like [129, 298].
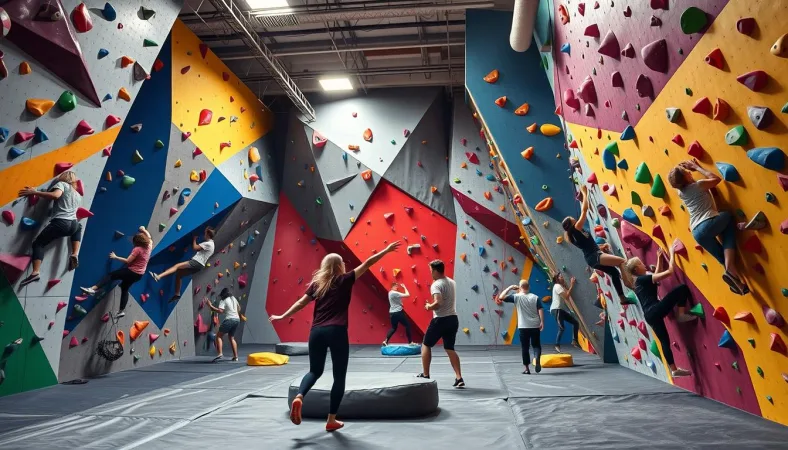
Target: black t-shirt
[646, 290]
[332, 308]
[584, 242]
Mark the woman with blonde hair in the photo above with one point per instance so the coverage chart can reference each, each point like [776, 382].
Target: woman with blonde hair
[63, 223]
[331, 290]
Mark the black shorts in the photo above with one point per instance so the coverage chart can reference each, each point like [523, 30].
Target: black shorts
[229, 326]
[442, 328]
[193, 268]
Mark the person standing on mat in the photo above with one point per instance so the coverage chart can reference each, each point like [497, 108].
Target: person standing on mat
[204, 251]
[397, 314]
[331, 288]
[228, 305]
[560, 312]
[444, 324]
[654, 309]
[136, 264]
[63, 223]
[530, 321]
[593, 254]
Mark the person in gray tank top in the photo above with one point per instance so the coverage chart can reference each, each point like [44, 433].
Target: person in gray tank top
[715, 231]
[63, 223]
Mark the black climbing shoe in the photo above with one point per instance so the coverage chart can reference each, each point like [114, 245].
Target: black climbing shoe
[527, 371]
[731, 281]
[538, 365]
[175, 298]
[73, 262]
[459, 383]
[421, 375]
[30, 279]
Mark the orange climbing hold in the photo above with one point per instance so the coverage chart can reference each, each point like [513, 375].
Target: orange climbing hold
[433, 189]
[492, 77]
[665, 210]
[121, 337]
[366, 175]
[744, 316]
[123, 94]
[136, 329]
[544, 205]
[463, 257]
[531, 128]
[354, 148]
[463, 165]
[125, 61]
[501, 101]
[721, 110]
[24, 68]
[522, 110]
[38, 107]
[528, 153]
[488, 195]
[368, 135]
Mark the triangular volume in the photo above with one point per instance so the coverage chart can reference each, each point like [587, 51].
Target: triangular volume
[420, 168]
[335, 185]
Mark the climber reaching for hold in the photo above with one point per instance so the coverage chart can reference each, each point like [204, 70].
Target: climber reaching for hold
[204, 251]
[593, 254]
[560, 312]
[713, 230]
[136, 264]
[63, 223]
[654, 309]
[230, 308]
[397, 314]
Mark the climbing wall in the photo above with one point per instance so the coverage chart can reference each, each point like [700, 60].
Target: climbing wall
[706, 80]
[66, 86]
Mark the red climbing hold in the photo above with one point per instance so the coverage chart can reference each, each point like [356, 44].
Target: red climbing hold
[744, 316]
[695, 150]
[225, 76]
[173, 211]
[642, 328]
[254, 178]
[581, 9]
[592, 31]
[746, 25]
[617, 80]
[8, 217]
[73, 342]
[205, 117]
[83, 129]
[574, 144]
[80, 188]
[196, 152]
[721, 110]
[721, 315]
[755, 80]
[388, 216]
[702, 106]
[185, 69]
[81, 19]
[753, 244]
[224, 145]
[501, 101]
[203, 49]
[715, 59]
[52, 283]
[609, 46]
[678, 140]
[111, 121]
[628, 12]
[659, 4]
[83, 213]
[158, 65]
[783, 180]
[679, 248]
[592, 179]
[657, 232]
[472, 158]
[777, 344]
[62, 167]
[636, 353]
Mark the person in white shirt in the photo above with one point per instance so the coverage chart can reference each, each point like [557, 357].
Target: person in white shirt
[561, 312]
[397, 314]
[204, 251]
[530, 321]
[229, 307]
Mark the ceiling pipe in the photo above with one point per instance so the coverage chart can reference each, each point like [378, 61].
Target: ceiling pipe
[350, 49]
[364, 72]
[523, 24]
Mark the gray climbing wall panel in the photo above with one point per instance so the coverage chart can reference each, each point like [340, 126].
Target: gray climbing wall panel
[257, 329]
[239, 168]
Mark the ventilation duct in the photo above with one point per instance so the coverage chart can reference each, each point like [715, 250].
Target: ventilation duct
[523, 24]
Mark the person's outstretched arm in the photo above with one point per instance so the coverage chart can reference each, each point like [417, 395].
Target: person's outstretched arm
[297, 306]
[150, 238]
[667, 272]
[127, 260]
[711, 179]
[362, 269]
[581, 219]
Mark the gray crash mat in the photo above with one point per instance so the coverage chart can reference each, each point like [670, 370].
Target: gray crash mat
[372, 395]
[292, 348]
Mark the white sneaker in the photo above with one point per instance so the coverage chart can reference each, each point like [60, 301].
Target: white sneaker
[679, 372]
[682, 318]
[89, 291]
[120, 314]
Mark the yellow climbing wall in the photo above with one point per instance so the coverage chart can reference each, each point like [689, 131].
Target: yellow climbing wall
[742, 54]
[203, 86]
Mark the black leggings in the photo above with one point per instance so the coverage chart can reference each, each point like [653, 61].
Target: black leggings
[126, 278]
[56, 229]
[397, 318]
[321, 339]
[562, 316]
[530, 337]
[615, 276]
[656, 313]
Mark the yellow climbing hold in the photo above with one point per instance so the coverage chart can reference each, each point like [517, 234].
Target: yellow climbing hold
[352, 220]
[173, 348]
[549, 129]
[236, 265]
[108, 177]
[38, 106]
[152, 351]
[194, 176]
[254, 155]
[396, 272]
[246, 175]
[178, 163]
[481, 329]
[466, 330]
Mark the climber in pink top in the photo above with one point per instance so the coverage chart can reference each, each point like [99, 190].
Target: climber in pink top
[136, 264]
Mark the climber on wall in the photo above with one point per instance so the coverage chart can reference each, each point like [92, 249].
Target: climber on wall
[713, 230]
[654, 309]
[560, 312]
[136, 264]
[593, 253]
[63, 223]
[204, 251]
[530, 322]
[229, 306]
[331, 288]
[396, 312]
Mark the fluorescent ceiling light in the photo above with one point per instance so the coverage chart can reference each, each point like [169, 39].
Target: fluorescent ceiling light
[268, 4]
[336, 84]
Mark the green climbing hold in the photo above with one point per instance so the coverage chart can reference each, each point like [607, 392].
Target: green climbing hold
[704, 266]
[136, 358]
[688, 91]
[80, 310]
[655, 349]
[630, 298]
[770, 399]
[137, 158]
[674, 115]
[636, 199]
[319, 201]
[785, 292]
[544, 187]
[159, 144]
[563, 268]
[736, 136]
[642, 174]
[457, 180]
[752, 342]
[67, 101]
[784, 110]
[393, 142]
[658, 188]
[735, 365]
[616, 222]
[693, 20]
[149, 43]
[759, 370]
[697, 310]
[162, 226]
[612, 148]
[535, 240]
[127, 181]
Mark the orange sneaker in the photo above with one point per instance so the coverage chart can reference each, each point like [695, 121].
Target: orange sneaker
[334, 426]
[295, 411]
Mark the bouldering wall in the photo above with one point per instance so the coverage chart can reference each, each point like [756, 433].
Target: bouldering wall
[644, 86]
[66, 85]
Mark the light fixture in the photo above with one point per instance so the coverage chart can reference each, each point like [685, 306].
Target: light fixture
[336, 84]
[280, 6]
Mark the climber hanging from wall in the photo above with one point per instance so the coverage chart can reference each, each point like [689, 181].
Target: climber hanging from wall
[135, 265]
[204, 251]
[63, 223]
[713, 230]
[655, 309]
[593, 254]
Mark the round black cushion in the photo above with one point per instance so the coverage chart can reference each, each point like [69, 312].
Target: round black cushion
[292, 348]
[371, 395]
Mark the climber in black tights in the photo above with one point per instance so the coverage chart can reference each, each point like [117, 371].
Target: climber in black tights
[593, 254]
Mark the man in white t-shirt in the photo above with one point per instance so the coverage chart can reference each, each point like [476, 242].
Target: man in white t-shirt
[396, 312]
[444, 324]
[229, 307]
[204, 251]
[530, 321]
[561, 312]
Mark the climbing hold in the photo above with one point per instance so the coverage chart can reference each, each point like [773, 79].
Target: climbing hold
[702, 106]
[780, 47]
[492, 77]
[726, 340]
[587, 90]
[8, 217]
[126, 61]
[673, 114]
[522, 110]
[205, 117]
[139, 73]
[4, 132]
[609, 46]
[15, 152]
[630, 216]
[22, 136]
[67, 101]
[769, 157]
[149, 43]
[776, 343]
[549, 129]
[544, 205]
[755, 81]
[501, 101]
[693, 20]
[623, 164]
[633, 236]
[744, 316]
[722, 315]
[647, 211]
[760, 116]
[657, 232]
[773, 317]
[642, 174]
[635, 352]
[83, 213]
[527, 153]
[628, 134]
[745, 26]
[679, 248]
[643, 87]
[136, 127]
[695, 150]
[81, 19]
[753, 244]
[38, 107]
[736, 136]
[636, 199]
[715, 59]
[758, 222]
[658, 188]
[83, 129]
[123, 94]
[137, 157]
[655, 56]
[566, 48]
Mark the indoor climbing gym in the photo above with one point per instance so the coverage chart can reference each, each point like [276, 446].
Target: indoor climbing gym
[394, 224]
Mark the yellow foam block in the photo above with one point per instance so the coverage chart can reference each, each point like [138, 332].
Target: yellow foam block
[266, 359]
[556, 360]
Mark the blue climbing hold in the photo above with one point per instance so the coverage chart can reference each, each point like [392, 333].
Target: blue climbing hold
[118, 234]
[249, 239]
[109, 12]
[566, 48]
[630, 216]
[39, 136]
[479, 172]
[475, 288]
[108, 97]
[769, 157]
[184, 193]
[609, 160]
[527, 221]
[313, 242]
[628, 134]
[490, 177]
[486, 268]
[481, 250]
[102, 53]
[302, 228]
[616, 338]
[3, 134]
[623, 164]
[29, 224]
[599, 240]
[344, 157]
[651, 366]
[728, 172]
[15, 152]
[726, 340]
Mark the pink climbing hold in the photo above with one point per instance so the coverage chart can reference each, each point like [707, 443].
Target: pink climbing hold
[655, 56]
[185, 135]
[52, 283]
[196, 152]
[472, 158]
[581, 9]
[107, 151]
[773, 317]
[643, 87]
[111, 121]
[83, 129]
[695, 150]
[205, 117]
[659, 4]
[73, 342]
[784, 226]
[152, 337]
[22, 136]
[80, 188]
[746, 26]
[629, 51]
[84, 339]
[83, 213]
[570, 100]
[642, 328]
[633, 236]
[657, 232]
[105, 317]
[13, 266]
[242, 280]
[8, 217]
[587, 91]
[592, 31]
[783, 180]
[679, 248]
[62, 167]
[81, 18]
[173, 211]
[755, 80]
[617, 80]
[609, 46]
[203, 49]
[60, 306]
[776, 343]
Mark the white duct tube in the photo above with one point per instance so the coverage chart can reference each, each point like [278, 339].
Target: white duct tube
[523, 24]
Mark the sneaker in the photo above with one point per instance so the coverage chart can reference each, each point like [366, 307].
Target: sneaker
[459, 383]
[73, 262]
[120, 314]
[218, 358]
[538, 365]
[682, 318]
[557, 348]
[527, 371]
[421, 375]
[680, 373]
[88, 291]
[33, 277]
[154, 276]
[235, 359]
[175, 298]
